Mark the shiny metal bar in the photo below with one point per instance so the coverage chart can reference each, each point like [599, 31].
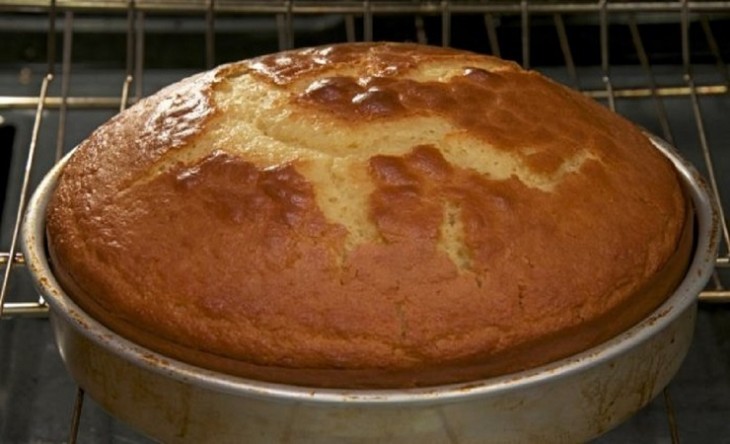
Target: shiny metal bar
[715, 296]
[210, 34]
[25, 310]
[671, 416]
[18, 259]
[51, 38]
[73, 432]
[445, 23]
[662, 91]
[699, 122]
[129, 60]
[702, 135]
[525, 24]
[281, 32]
[420, 30]
[565, 49]
[124, 99]
[605, 63]
[24, 187]
[129, 56]
[109, 102]
[723, 261]
[684, 34]
[65, 82]
[286, 26]
[367, 23]
[139, 56]
[356, 7]
[644, 61]
[350, 27]
[290, 23]
[714, 48]
[54, 102]
[711, 171]
[25, 184]
[492, 34]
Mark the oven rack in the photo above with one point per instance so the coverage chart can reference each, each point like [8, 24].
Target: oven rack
[692, 86]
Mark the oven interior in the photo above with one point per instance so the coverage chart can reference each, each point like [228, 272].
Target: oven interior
[68, 66]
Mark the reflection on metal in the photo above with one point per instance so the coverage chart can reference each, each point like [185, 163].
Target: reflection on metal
[25, 310]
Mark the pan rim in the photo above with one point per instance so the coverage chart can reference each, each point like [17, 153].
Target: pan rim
[684, 297]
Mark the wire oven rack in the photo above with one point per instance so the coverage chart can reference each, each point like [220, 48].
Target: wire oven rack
[693, 85]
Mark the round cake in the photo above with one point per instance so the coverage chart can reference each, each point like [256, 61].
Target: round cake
[372, 215]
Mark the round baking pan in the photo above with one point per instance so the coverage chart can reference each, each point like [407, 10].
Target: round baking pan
[571, 400]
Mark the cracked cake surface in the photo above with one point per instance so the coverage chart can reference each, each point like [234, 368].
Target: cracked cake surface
[368, 215]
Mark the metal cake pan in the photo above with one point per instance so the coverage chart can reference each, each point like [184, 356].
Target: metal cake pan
[571, 400]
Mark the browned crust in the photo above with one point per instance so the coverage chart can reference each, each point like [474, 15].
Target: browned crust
[540, 351]
[232, 265]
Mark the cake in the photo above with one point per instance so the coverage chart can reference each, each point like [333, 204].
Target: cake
[368, 215]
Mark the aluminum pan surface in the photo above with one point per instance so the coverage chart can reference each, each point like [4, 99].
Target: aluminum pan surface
[698, 274]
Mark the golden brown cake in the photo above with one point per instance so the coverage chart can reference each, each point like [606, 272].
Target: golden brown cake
[368, 215]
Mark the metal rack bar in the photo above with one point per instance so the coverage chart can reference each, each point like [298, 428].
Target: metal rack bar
[73, 431]
[138, 54]
[671, 416]
[17, 260]
[210, 34]
[107, 102]
[25, 185]
[492, 34]
[25, 310]
[699, 120]
[285, 27]
[445, 23]
[367, 21]
[356, 7]
[350, 27]
[715, 296]
[605, 66]
[646, 66]
[565, 49]
[525, 29]
[128, 78]
[91, 102]
[722, 67]
[420, 30]
[714, 48]
[65, 82]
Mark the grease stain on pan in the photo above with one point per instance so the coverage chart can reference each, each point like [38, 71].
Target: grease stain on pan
[714, 234]
[79, 319]
[627, 388]
[657, 316]
[154, 359]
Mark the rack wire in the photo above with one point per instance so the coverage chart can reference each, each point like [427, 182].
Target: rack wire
[360, 20]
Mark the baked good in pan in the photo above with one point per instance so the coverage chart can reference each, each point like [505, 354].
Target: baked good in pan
[368, 215]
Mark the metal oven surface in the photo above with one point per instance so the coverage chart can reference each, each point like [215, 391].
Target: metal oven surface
[67, 66]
